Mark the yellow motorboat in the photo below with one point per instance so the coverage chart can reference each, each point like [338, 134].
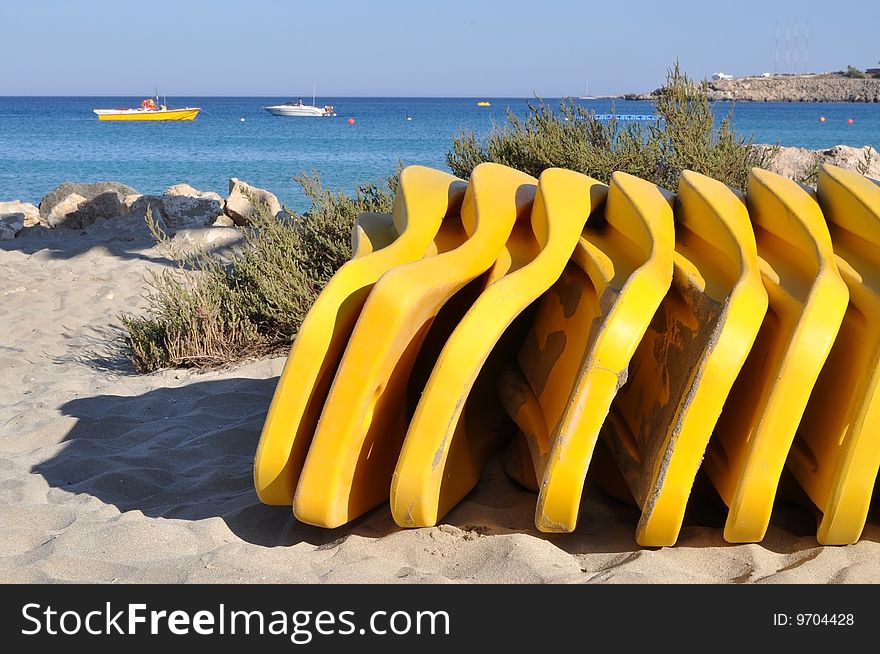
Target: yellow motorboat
[483, 103]
[149, 110]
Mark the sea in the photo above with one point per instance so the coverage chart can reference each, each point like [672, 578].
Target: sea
[48, 140]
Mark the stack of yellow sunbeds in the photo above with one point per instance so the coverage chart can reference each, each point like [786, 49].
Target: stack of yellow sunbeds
[623, 332]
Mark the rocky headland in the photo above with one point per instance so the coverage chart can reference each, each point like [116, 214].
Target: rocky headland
[827, 87]
[814, 87]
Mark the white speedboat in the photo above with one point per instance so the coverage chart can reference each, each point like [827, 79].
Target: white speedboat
[299, 109]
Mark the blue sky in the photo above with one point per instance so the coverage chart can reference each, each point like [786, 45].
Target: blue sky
[415, 48]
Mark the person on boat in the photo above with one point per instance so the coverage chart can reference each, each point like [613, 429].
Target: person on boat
[149, 104]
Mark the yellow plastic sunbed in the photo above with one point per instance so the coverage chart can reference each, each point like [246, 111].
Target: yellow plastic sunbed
[450, 437]
[424, 221]
[836, 453]
[586, 329]
[686, 363]
[808, 298]
[356, 445]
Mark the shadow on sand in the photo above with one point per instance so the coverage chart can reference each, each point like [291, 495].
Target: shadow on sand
[184, 453]
[124, 237]
[187, 453]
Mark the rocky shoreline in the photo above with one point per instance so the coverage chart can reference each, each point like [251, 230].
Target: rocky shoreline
[76, 206]
[802, 164]
[824, 87]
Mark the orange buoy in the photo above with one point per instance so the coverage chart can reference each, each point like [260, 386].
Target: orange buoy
[849, 121]
[351, 121]
[821, 119]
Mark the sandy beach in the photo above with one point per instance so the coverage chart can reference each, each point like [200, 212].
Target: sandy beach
[109, 476]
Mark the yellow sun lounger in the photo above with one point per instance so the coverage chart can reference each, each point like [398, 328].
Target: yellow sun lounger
[808, 298]
[448, 443]
[356, 445]
[586, 330]
[424, 219]
[685, 365]
[372, 232]
[836, 453]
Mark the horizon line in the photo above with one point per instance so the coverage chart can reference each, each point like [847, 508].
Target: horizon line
[402, 97]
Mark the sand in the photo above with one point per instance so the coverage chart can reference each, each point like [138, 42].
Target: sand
[110, 476]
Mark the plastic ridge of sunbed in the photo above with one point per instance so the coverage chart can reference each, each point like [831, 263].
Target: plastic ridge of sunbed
[586, 330]
[448, 443]
[807, 299]
[684, 367]
[836, 453]
[349, 465]
[426, 199]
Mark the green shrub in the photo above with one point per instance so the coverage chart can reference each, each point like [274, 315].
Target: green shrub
[863, 165]
[205, 312]
[572, 137]
[855, 73]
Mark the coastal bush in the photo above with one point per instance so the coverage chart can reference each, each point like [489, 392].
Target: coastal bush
[206, 311]
[863, 166]
[855, 73]
[810, 175]
[684, 137]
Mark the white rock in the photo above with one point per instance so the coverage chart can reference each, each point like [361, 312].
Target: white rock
[857, 159]
[187, 212]
[211, 195]
[191, 191]
[239, 206]
[106, 207]
[182, 189]
[58, 215]
[129, 200]
[799, 163]
[30, 214]
[219, 241]
[223, 221]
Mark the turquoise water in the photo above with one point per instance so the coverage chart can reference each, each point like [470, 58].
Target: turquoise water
[45, 141]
